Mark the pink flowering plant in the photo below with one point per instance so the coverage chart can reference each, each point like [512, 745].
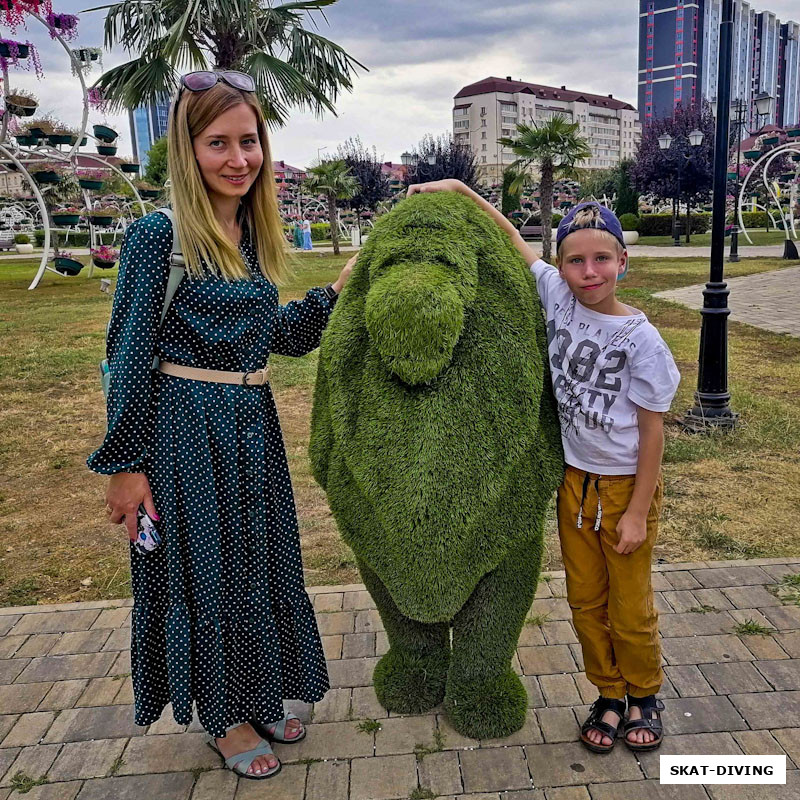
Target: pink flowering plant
[105, 253]
[64, 25]
[96, 99]
[16, 60]
[67, 209]
[59, 167]
[91, 174]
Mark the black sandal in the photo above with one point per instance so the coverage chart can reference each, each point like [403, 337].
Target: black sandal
[595, 722]
[651, 709]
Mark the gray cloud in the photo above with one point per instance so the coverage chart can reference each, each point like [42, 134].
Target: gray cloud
[419, 54]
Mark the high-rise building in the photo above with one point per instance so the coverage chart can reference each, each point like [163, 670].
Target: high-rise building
[148, 124]
[678, 58]
[485, 111]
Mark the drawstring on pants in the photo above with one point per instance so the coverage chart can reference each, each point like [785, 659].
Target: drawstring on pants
[599, 516]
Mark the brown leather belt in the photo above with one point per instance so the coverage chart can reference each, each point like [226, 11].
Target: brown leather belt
[253, 377]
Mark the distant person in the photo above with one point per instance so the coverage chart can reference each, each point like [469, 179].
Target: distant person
[221, 619]
[297, 235]
[613, 378]
[307, 245]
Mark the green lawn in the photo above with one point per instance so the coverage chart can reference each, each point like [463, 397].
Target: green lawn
[723, 493]
[759, 237]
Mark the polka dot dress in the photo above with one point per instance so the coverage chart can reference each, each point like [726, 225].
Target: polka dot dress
[221, 617]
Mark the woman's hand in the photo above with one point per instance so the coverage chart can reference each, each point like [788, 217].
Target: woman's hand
[344, 275]
[446, 185]
[126, 491]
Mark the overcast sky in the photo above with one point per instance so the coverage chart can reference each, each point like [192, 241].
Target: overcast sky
[419, 53]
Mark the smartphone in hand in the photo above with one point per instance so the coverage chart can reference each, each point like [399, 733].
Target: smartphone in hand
[147, 537]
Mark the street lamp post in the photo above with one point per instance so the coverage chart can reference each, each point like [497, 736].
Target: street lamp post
[712, 409]
[763, 103]
[665, 142]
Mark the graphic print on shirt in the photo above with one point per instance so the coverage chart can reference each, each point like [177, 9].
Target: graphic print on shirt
[585, 371]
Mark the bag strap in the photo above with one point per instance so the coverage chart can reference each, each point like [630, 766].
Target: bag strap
[176, 271]
[177, 264]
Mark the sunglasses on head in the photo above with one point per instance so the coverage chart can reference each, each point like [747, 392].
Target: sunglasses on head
[205, 79]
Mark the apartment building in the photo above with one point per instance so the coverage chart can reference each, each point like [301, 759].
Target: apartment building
[678, 59]
[485, 111]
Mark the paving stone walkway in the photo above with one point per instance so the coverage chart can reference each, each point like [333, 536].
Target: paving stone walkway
[66, 714]
[766, 300]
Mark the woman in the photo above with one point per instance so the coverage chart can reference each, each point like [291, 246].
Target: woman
[307, 245]
[221, 617]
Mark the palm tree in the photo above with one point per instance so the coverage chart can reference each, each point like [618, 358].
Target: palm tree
[292, 66]
[556, 146]
[333, 179]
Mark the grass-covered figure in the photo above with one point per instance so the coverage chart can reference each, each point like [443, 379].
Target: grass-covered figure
[435, 437]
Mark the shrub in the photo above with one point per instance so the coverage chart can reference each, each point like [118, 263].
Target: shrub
[629, 222]
[755, 219]
[556, 219]
[661, 224]
[80, 239]
[320, 231]
[22, 238]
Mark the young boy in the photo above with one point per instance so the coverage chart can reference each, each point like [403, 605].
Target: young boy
[613, 379]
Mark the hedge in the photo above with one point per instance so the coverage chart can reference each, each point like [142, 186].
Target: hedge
[80, 239]
[661, 224]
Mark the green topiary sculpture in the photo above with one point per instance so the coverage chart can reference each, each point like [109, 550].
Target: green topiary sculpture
[435, 436]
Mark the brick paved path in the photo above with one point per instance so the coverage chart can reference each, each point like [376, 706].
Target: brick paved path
[65, 705]
[766, 300]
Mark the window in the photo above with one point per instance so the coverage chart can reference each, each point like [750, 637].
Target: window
[460, 112]
[512, 107]
[483, 159]
[483, 134]
[505, 131]
[483, 110]
[483, 147]
[461, 123]
[509, 120]
[483, 123]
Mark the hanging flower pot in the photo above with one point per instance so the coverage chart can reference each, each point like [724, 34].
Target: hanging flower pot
[793, 132]
[107, 149]
[9, 49]
[67, 266]
[21, 103]
[38, 131]
[65, 218]
[771, 140]
[26, 140]
[62, 138]
[46, 176]
[90, 184]
[104, 257]
[752, 153]
[130, 167]
[101, 220]
[65, 25]
[104, 133]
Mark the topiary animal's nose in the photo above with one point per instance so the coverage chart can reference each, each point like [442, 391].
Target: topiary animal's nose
[414, 316]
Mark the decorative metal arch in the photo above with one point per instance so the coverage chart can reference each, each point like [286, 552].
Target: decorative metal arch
[767, 159]
[21, 156]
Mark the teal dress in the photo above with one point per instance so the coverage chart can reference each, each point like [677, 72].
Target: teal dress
[221, 617]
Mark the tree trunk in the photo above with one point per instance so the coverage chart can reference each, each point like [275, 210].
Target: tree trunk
[546, 205]
[333, 223]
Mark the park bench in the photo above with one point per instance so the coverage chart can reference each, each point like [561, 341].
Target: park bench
[531, 231]
[6, 240]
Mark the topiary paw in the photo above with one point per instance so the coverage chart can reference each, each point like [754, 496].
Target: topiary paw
[408, 683]
[488, 710]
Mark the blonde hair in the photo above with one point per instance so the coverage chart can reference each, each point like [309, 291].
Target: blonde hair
[589, 217]
[204, 243]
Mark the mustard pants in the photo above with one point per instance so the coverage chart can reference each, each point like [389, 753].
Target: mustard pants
[611, 595]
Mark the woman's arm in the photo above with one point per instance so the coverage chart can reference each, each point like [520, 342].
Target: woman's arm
[632, 526]
[452, 185]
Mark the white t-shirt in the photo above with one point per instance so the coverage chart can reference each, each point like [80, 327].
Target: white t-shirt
[603, 367]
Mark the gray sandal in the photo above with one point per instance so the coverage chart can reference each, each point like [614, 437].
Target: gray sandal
[279, 732]
[248, 757]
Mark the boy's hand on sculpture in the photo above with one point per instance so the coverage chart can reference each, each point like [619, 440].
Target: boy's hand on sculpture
[126, 491]
[446, 185]
[632, 530]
